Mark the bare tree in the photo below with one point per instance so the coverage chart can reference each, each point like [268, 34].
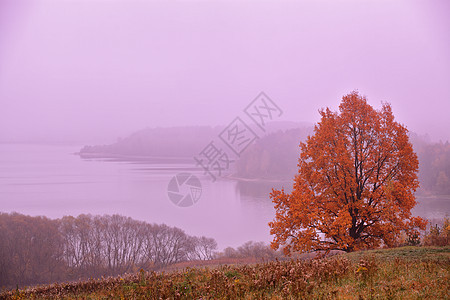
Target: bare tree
[203, 248]
[38, 250]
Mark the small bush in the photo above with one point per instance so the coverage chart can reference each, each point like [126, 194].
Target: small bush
[438, 236]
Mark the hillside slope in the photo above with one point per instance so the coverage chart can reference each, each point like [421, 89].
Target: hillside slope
[400, 273]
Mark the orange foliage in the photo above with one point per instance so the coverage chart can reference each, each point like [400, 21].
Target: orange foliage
[355, 186]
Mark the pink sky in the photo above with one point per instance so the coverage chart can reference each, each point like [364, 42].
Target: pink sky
[88, 71]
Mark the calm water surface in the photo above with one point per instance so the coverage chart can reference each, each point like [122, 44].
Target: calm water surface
[51, 181]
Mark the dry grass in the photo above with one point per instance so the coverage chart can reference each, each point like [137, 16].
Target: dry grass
[401, 273]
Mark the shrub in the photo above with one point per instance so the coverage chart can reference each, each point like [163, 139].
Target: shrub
[438, 236]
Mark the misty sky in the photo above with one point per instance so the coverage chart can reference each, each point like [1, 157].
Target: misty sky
[86, 70]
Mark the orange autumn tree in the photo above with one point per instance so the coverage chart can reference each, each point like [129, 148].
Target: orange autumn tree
[355, 186]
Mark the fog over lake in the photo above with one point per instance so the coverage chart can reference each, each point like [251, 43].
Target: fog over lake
[50, 180]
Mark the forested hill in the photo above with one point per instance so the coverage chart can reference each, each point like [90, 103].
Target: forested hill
[173, 141]
[274, 156]
[158, 142]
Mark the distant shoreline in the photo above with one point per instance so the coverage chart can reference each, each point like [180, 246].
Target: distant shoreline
[174, 160]
[257, 180]
[127, 157]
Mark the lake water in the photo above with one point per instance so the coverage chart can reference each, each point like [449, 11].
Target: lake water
[50, 180]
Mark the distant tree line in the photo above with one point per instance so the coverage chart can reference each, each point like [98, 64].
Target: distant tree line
[35, 250]
[434, 165]
[275, 156]
[257, 250]
[177, 142]
[158, 142]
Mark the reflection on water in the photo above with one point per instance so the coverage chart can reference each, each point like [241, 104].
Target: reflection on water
[432, 207]
[49, 180]
[258, 189]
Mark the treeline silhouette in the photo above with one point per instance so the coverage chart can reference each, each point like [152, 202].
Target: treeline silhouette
[37, 250]
[158, 142]
[257, 250]
[275, 156]
[434, 165]
[172, 142]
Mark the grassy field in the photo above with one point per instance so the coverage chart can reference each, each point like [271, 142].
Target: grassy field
[400, 273]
